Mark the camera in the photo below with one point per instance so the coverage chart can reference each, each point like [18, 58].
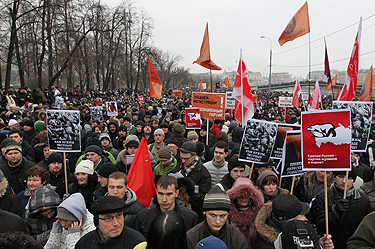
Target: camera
[305, 243]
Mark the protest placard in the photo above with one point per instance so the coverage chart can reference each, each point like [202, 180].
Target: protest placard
[361, 115]
[285, 102]
[258, 141]
[111, 107]
[211, 105]
[326, 137]
[177, 93]
[230, 101]
[63, 130]
[282, 128]
[291, 161]
[141, 100]
[96, 113]
[59, 102]
[193, 118]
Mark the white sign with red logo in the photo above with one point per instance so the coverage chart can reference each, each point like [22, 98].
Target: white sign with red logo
[193, 118]
[141, 100]
[285, 101]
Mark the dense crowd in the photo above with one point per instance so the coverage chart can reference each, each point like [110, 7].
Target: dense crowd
[205, 196]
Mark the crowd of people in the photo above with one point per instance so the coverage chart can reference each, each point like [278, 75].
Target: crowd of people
[205, 196]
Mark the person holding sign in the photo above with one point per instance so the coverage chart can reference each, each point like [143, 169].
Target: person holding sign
[344, 215]
[267, 183]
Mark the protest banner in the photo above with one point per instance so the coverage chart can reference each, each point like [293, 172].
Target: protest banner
[291, 161]
[258, 141]
[282, 129]
[63, 130]
[230, 101]
[211, 105]
[96, 113]
[285, 102]
[361, 115]
[305, 96]
[141, 100]
[111, 107]
[59, 102]
[177, 93]
[326, 137]
[193, 118]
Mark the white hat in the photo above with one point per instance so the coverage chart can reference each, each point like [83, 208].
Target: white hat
[85, 166]
[12, 122]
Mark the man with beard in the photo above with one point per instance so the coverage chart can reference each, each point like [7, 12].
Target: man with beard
[147, 133]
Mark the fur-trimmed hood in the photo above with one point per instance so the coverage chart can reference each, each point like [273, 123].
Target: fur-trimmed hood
[244, 187]
[268, 233]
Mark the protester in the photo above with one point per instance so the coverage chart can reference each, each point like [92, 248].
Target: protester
[27, 149]
[236, 170]
[218, 167]
[103, 173]
[166, 164]
[157, 144]
[268, 183]
[107, 144]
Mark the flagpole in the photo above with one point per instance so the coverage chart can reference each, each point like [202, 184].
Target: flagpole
[243, 125]
[309, 65]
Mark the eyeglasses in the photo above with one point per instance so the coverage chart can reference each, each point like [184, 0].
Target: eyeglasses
[185, 159]
[109, 219]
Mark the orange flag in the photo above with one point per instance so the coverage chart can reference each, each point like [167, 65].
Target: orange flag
[200, 86]
[366, 92]
[189, 85]
[210, 87]
[338, 93]
[204, 58]
[333, 83]
[140, 177]
[298, 26]
[226, 82]
[156, 86]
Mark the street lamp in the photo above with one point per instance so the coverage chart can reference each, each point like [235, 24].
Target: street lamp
[269, 80]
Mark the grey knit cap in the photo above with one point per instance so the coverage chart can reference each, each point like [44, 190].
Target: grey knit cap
[64, 214]
[216, 199]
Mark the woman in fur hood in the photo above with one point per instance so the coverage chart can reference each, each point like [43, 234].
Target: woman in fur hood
[246, 200]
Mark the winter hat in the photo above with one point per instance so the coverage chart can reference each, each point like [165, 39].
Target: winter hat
[286, 207]
[104, 136]
[27, 123]
[5, 142]
[122, 128]
[1, 175]
[40, 126]
[164, 125]
[211, 242]
[352, 173]
[172, 140]
[94, 148]
[85, 166]
[55, 157]
[12, 122]
[12, 146]
[164, 152]
[127, 118]
[234, 162]
[188, 147]
[64, 214]
[263, 175]
[159, 132]
[178, 128]
[131, 140]
[94, 141]
[106, 169]
[101, 206]
[146, 124]
[140, 122]
[192, 135]
[216, 199]
[200, 148]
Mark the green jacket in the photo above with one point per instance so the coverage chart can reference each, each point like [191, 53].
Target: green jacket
[160, 170]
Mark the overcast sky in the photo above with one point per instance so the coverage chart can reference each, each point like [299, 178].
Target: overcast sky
[238, 24]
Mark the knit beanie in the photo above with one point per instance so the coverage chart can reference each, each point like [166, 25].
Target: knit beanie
[216, 199]
[211, 242]
[263, 175]
[12, 146]
[5, 142]
[39, 126]
[352, 173]
[178, 128]
[234, 162]
[55, 157]
[164, 152]
[192, 135]
[64, 214]
[94, 148]
[85, 166]
[106, 169]
[104, 136]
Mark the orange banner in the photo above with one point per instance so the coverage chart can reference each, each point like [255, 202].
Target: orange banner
[200, 86]
[156, 86]
[211, 105]
[226, 81]
[298, 26]
[177, 93]
[255, 98]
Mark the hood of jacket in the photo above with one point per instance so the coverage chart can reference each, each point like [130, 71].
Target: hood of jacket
[75, 204]
[237, 134]
[268, 233]
[130, 197]
[44, 198]
[243, 187]
[116, 124]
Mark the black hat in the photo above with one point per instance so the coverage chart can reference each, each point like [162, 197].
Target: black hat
[94, 148]
[233, 162]
[122, 128]
[172, 140]
[55, 157]
[297, 231]
[200, 148]
[145, 124]
[6, 141]
[107, 205]
[127, 118]
[27, 123]
[164, 125]
[352, 173]
[135, 113]
[186, 184]
[188, 147]
[139, 122]
[132, 143]
[106, 169]
[286, 206]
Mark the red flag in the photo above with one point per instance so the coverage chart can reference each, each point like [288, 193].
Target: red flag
[140, 177]
[200, 86]
[243, 96]
[226, 82]
[315, 98]
[351, 77]
[156, 86]
[327, 71]
[204, 58]
[366, 92]
[210, 87]
[189, 85]
[298, 26]
[296, 94]
[338, 93]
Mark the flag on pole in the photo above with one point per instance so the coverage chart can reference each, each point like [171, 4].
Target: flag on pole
[200, 86]
[204, 58]
[296, 94]
[298, 26]
[327, 71]
[351, 77]
[245, 95]
[140, 177]
[315, 98]
[189, 85]
[226, 82]
[338, 93]
[210, 87]
[333, 83]
[366, 92]
[156, 86]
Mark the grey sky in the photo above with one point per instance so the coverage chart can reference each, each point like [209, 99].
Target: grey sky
[179, 27]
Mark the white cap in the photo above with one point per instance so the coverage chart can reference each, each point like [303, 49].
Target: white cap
[12, 122]
[85, 166]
